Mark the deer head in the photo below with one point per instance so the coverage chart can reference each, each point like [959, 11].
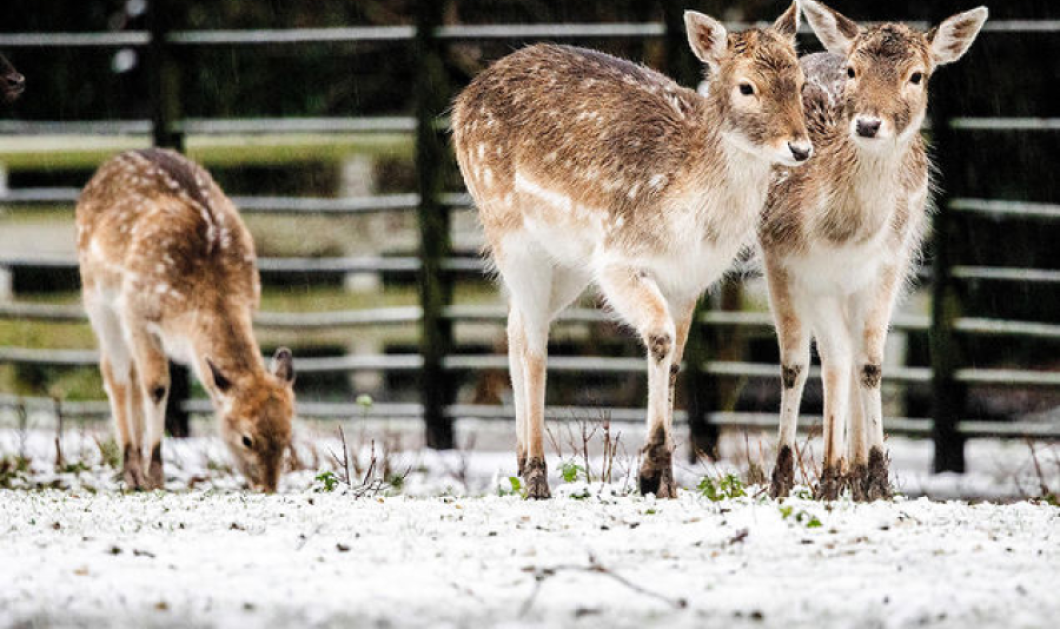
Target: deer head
[888, 67]
[755, 82]
[256, 415]
[12, 83]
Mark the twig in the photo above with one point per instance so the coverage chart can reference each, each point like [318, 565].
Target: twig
[1043, 487]
[594, 567]
[58, 432]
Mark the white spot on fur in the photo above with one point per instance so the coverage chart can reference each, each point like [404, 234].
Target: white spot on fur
[556, 199]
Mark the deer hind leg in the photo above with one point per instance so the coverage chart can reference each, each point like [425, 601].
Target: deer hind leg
[152, 369]
[794, 339]
[529, 279]
[835, 346]
[116, 367]
[637, 298]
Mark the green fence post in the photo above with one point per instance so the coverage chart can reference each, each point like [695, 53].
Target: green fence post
[163, 76]
[948, 395]
[436, 336]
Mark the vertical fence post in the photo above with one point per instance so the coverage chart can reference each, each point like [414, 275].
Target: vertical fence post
[431, 99]
[948, 395]
[164, 87]
[701, 391]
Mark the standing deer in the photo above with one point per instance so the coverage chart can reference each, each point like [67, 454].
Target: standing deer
[12, 83]
[588, 168]
[168, 269]
[840, 236]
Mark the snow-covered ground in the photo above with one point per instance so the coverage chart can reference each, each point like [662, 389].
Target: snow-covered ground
[439, 545]
[327, 559]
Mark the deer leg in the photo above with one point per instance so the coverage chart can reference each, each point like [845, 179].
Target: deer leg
[874, 309]
[684, 310]
[834, 344]
[153, 372]
[530, 284]
[794, 340]
[636, 296]
[116, 367]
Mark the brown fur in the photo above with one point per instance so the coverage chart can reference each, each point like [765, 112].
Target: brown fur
[625, 163]
[165, 256]
[839, 236]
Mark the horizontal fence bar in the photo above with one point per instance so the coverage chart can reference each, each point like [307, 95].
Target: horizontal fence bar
[399, 33]
[556, 364]
[1016, 209]
[256, 204]
[552, 31]
[215, 126]
[1004, 274]
[309, 266]
[1005, 124]
[497, 315]
[919, 427]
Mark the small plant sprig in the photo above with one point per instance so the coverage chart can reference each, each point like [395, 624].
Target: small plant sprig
[728, 486]
[571, 471]
[327, 482]
[801, 516]
[516, 487]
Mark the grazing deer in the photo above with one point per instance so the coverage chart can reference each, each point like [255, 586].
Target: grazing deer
[839, 237]
[12, 83]
[588, 168]
[168, 270]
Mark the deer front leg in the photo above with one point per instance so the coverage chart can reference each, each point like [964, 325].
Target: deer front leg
[874, 309]
[153, 372]
[636, 296]
[685, 311]
[516, 349]
[832, 331]
[794, 340]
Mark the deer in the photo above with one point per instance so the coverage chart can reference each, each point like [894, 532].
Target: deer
[590, 169]
[840, 237]
[12, 83]
[168, 271]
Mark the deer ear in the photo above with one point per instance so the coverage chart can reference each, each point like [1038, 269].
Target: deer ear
[788, 23]
[283, 365]
[707, 37]
[951, 39]
[835, 31]
[220, 380]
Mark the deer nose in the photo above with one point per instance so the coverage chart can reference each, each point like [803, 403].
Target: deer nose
[868, 127]
[801, 151]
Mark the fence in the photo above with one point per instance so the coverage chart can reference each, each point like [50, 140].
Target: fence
[437, 268]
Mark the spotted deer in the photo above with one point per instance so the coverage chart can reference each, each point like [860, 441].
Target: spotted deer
[12, 83]
[840, 236]
[168, 271]
[590, 169]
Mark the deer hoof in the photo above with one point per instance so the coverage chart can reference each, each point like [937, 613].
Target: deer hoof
[877, 482]
[783, 474]
[657, 472]
[132, 469]
[536, 476]
[828, 488]
[155, 476]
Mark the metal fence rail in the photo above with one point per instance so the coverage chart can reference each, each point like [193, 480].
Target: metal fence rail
[437, 268]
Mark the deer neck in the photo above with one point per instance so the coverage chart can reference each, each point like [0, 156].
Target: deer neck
[225, 336]
[865, 184]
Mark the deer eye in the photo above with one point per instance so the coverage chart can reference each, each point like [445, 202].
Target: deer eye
[247, 441]
[747, 89]
[916, 78]
[850, 72]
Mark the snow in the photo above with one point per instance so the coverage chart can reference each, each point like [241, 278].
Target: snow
[327, 559]
[445, 550]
